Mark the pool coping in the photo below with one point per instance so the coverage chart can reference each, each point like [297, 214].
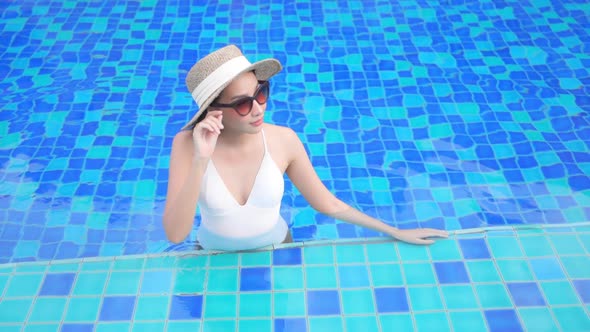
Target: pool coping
[455, 234]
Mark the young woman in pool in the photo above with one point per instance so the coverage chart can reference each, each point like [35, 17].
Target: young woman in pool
[231, 163]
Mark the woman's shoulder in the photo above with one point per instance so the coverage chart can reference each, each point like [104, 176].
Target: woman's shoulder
[279, 133]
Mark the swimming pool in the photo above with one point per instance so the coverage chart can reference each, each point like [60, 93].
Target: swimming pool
[447, 114]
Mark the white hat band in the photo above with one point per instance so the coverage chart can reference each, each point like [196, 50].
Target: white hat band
[219, 77]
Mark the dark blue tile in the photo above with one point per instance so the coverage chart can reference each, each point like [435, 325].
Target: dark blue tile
[290, 324]
[290, 256]
[58, 284]
[451, 272]
[525, 294]
[502, 320]
[255, 279]
[72, 327]
[185, 307]
[583, 289]
[474, 248]
[391, 299]
[323, 302]
[117, 308]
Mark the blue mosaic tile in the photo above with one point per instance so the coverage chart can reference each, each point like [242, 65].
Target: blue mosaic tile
[117, 308]
[391, 299]
[290, 256]
[255, 279]
[526, 294]
[185, 307]
[323, 302]
[474, 248]
[502, 320]
[583, 289]
[451, 272]
[290, 324]
[58, 284]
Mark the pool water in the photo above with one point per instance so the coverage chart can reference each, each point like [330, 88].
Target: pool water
[470, 116]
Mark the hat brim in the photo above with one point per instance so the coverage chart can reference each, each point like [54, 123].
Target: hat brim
[263, 69]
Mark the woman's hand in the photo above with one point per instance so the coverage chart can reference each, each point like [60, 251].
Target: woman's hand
[418, 236]
[205, 134]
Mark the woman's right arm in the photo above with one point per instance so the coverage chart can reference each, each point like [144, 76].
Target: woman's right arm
[188, 162]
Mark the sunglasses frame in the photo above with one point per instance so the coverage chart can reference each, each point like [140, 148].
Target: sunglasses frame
[261, 86]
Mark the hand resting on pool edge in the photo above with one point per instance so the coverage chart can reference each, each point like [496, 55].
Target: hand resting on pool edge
[230, 163]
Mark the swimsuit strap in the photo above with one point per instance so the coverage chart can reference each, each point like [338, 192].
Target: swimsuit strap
[264, 141]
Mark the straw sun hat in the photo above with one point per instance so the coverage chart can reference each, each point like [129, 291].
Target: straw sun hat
[210, 75]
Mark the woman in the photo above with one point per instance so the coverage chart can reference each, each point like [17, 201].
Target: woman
[231, 163]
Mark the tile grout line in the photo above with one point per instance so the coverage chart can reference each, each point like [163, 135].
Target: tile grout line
[371, 287]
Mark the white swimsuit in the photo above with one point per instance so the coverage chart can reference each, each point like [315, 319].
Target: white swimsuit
[227, 225]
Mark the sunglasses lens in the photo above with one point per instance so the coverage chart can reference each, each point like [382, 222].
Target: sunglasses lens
[262, 95]
[243, 107]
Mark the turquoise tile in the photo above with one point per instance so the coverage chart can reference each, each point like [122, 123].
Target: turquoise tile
[255, 305]
[152, 308]
[31, 267]
[467, 321]
[352, 276]
[3, 282]
[250, 325]
[325, 324]
[224, 260]
[396, 322]
[128, 263]
[493, 296]
[419, 273]
[435, 322]
[577, 267]
[535, 246]
[220, 306]
[459, 296]
[386, 275]
[162, 262]
[64, 267]
[24, 285]
[287, 277]
[96, 265]
[82, 309]
[320, 277]
[537, 319]
[559, 292]
[566, 244]
[287, 304]
[222, 280]
[90, 283]
[585, 240]
[358, 301]
[148, 326]
[260, 258]
[318, 255]
[445, 250]
[156, 281]
[189, 281]
[47, 309]
[218, 325]
[350, 253]
[483, 271]
[409, 252]
[361, 323]
[425, 298]
[381, 252]
[123, 283]
[11, 328]
[113, 327]
[42, 327]
[504, 247]
[515, 270]
[572, 319]
[193, 262]
[194, 325]
[14, 311]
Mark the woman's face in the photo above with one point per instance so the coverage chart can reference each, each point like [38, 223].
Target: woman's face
[245, 85]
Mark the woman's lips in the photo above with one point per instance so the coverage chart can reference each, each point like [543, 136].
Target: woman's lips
[257, 123]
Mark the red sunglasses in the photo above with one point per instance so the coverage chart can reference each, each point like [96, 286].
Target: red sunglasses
[244, 105]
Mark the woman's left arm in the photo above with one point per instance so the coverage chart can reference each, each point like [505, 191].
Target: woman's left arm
[302, 174]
